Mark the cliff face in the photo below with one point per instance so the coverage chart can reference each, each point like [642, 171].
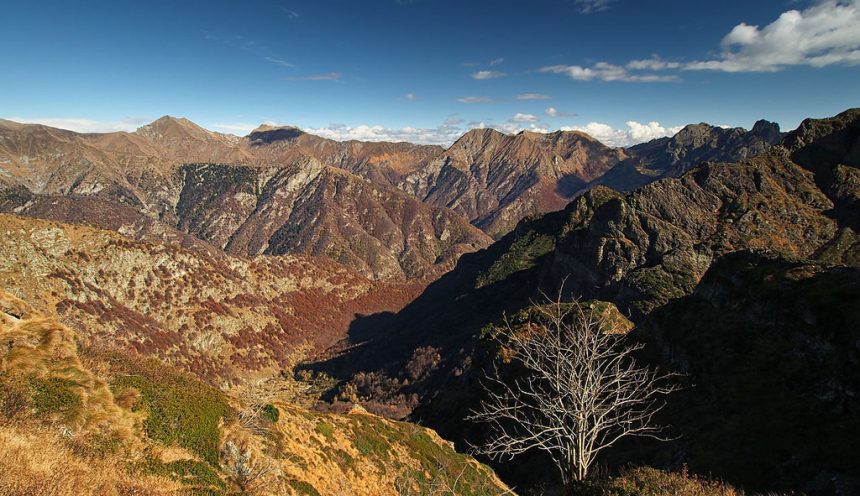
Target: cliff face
[494, 179]
[830, 148]
[325, 211]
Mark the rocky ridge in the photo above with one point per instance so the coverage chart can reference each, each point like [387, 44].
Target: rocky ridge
[689, 147]
[495, 179]
[642, 251]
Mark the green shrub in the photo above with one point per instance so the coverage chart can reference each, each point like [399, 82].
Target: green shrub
[325, 429]
[198, 475]
[344, 460]
[179, 409]
[55, 397]
[271, 413]
[304, 488]
[521, 255]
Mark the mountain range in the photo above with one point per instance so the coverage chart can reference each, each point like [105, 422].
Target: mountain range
[394, 211]
[136, 260]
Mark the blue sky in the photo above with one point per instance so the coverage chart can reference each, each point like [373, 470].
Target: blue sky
[427, 70]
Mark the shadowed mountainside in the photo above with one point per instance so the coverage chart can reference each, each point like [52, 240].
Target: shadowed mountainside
[642, 251]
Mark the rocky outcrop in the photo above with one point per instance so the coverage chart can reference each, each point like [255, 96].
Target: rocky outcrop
[830, 148]
[691, 146]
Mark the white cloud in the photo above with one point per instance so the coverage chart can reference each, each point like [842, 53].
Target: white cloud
[497, 61]
[602, 132]
[653, 64]
[474, 99]
[589, 6]
[411, 97]
[640, 133]
[635, 132]
[328, 76]
[240, 128]
[292, 14]
[519, 117]
[827, 33]
[514, 127]
[444, 134]
[451, 130]
[604, 71]
[532, 96]
[554, 112]
[488, 75]
[277, 61]
[81, 125]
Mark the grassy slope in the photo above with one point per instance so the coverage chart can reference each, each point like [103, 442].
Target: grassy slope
[110, 423]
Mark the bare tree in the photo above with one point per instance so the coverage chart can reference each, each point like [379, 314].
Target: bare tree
[581, 391]
[249, 472]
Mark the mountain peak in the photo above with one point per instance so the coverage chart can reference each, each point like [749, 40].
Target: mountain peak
[169, 120]
[479, 135]
[573, 133]
[483, 132]
[268, 133]
[696, 129]
[766, 129]
[170, 127]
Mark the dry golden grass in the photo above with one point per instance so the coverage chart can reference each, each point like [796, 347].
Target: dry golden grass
[64, 431]
[37, 347]
[37, 462]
